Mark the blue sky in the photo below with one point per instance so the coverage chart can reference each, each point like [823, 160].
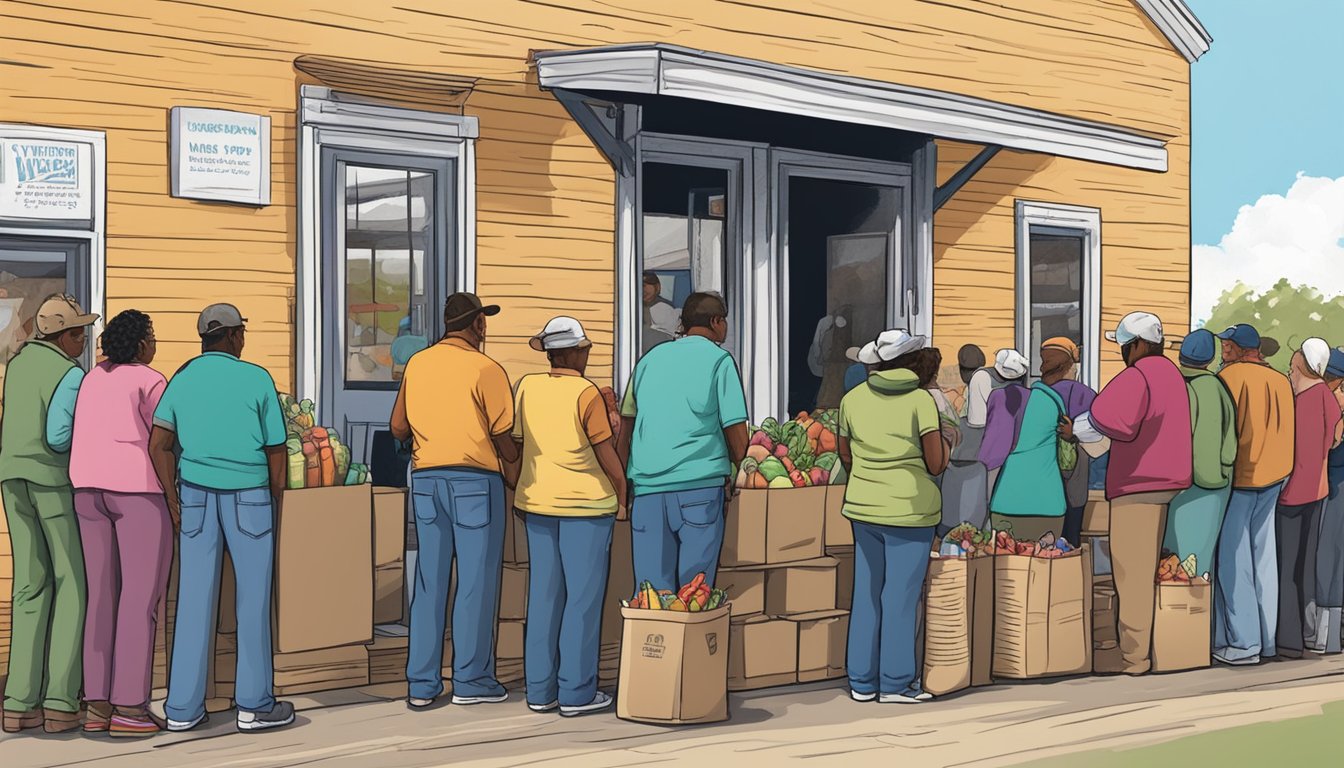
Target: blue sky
[1268, 104]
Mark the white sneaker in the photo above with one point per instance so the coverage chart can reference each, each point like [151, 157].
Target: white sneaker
[855, 695]
[600, 702]
[550, 707]
[180, 726]
[421, 703]
[469, 700]
[1249, 661]
[905, 698]
[281, 714]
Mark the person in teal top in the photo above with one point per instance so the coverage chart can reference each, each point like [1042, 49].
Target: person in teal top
[224, 415]
[684, 425]
[1029, 495]
[892, 445]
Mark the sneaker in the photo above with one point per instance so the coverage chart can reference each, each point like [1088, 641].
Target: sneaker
[126, 726]
[600, 702]
[97, 717]
[543, 707]
[281, 714]
[180, 726]
[1249, 661]
[855, 695]
[469, 700]
[909, 697]
[414, 703]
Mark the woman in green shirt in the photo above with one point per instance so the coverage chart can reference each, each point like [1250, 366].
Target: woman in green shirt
[892, 447]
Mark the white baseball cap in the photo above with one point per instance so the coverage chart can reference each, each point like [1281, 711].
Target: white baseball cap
[560, 333]
[1011, 364]
[1137, 325]
[1317, 354]
[859, 354]
[890, 345]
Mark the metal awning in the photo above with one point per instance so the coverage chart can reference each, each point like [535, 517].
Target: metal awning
[666, 70]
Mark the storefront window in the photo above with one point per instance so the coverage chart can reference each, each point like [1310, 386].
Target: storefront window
[685, 225]
[1056, 291]
[30, 271]
[840, 247]
[387, 227]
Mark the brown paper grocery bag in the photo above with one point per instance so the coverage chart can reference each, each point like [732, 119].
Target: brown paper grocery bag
[1042, 625]
[1182, 626]
[958, 624]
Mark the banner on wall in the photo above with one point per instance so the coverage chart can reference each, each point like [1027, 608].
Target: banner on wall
[45, 180]
[221, 155]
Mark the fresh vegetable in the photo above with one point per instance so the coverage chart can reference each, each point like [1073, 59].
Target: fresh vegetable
[758, 453]
[772, 468]
[693, 597]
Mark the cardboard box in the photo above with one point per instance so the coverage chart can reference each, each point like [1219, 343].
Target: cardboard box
[1097, 515]
[762, 653]
[795, 524]
[958, 624]
[745, 588]
[324, 569]
[509, 640]
[515, 532]
[804, 587]
[744, 529]
[839, 532]
[388, 599]
[1042, 610]
[321, 670]
[1182, 626]
[620, 586]
[1105, 633]
[674, 667]
[513, 593]
[387, 659]
[389, 526]
[844, 577]
[822, 642]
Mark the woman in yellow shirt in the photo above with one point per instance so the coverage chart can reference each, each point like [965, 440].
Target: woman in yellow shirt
[571, 487]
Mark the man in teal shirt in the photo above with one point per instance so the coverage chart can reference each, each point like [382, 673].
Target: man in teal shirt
[46, 667]
[684, 424]
[224, 415]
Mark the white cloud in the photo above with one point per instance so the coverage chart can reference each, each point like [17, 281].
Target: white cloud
[1297, 236]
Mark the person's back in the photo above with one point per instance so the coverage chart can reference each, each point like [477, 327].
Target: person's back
[113, 416]
[1265, 416]
[884, 422]
[557, 418]
[31, 379]
[1030, 484]
[457, 399]
[1213, 420]
[1145, 410]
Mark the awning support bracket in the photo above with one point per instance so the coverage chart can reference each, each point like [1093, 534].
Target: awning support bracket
[944, 193]
[604, 133]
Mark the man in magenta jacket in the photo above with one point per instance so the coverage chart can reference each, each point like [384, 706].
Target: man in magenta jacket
[1145, 411]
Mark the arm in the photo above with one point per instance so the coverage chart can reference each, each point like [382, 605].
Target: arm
[737, 439]
[935, 452]
[277, 466]
[615, 472]
[497, 396]
[161, 441]
[977, 398]
[400, 425]
[997, 442]
[61, 411]
[846, 456]
[628, 413]
[597, 428]
[732, 409]
[1118, 411]
[273, 442]
[506, 447]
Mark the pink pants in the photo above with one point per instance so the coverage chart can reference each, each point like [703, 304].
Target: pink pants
[128, 548]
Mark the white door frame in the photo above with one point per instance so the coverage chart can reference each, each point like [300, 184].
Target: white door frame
[327, 119]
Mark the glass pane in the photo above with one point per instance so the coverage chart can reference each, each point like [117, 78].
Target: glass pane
[840, 246]
[1056, 291]
[388, 231]
[685, 218]
[27, 277]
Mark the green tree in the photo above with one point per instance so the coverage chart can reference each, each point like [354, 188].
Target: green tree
[1290, 314]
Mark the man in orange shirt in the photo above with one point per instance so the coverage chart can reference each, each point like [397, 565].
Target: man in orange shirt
[1246, 584]
[456, 407]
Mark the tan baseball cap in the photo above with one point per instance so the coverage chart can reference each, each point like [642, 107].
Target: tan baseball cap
[61, 313]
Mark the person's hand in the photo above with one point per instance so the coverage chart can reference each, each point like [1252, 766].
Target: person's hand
[951, 435]
[622, 511]
[1065, 428]
[730, 490]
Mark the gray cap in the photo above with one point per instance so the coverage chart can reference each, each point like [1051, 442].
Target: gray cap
[218, 317]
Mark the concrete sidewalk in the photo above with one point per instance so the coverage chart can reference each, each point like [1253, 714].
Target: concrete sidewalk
[996, 726]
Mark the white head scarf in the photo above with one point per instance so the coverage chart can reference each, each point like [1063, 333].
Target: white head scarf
[1010, 364]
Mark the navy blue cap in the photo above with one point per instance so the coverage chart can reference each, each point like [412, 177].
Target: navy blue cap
[1335, 368]
[1199, 347]
[1242, 335]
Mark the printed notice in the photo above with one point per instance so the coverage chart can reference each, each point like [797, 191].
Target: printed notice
[221, 155]
[42, 179]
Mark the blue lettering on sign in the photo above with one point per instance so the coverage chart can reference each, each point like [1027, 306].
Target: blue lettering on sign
[46, 164]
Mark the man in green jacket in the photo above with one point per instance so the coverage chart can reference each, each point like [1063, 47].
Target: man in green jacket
[1196, 514]
[45, 652]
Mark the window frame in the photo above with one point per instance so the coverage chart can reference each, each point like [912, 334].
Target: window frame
[1073, 221]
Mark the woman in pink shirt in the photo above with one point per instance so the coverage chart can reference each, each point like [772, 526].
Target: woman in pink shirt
[123, 524]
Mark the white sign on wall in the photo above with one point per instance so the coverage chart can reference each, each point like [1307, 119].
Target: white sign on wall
[221, 155]
[45, 180]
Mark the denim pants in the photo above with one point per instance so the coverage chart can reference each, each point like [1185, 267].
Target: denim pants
[565, 589]
[1246, 587]
[676, 535]
[890, 564]
[459, 513]
[242, 521]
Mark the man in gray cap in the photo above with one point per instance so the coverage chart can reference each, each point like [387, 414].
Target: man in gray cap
[41, 382]
[222, 492]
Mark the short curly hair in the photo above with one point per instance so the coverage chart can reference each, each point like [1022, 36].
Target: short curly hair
[124, 334]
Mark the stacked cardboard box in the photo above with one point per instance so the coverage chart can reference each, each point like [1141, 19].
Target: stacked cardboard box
[782, 589]
[387, 658]
[389, 553]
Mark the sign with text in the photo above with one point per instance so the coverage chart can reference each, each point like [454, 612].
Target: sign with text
[45, 180]
[221, 155]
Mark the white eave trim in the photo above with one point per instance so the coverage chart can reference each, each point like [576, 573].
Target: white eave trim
[663, 70]
[1180, 26]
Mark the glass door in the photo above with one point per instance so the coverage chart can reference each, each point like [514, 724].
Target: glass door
[32, 269]
[386, 270]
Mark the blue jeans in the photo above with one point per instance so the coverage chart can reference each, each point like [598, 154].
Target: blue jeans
[458, 513]
[676, 535]
[244, 522]
[890, 564]
[1246, 588]
[565, 589]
